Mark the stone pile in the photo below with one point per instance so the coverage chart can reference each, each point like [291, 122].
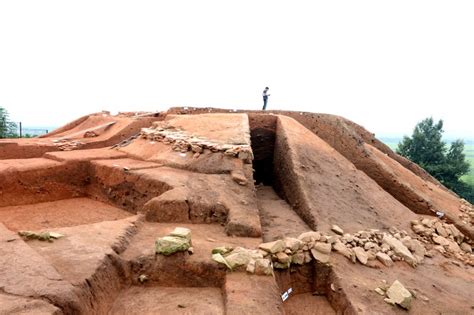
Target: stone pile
[67, 145]
[182, 142]
[387, 247]
[364, 247]
[240, 258]
[179, 240]
[467, 212]
[446, 238]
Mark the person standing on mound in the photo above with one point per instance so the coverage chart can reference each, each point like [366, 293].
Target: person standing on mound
[265, 98]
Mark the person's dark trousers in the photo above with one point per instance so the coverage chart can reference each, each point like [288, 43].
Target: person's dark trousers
[265, 100]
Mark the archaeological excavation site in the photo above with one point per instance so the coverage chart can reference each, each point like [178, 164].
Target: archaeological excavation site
[212, 211]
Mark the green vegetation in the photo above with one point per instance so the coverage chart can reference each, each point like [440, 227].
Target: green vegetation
[7, 127]
[446, 163]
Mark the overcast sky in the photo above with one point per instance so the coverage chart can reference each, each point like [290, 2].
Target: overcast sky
[383, 64]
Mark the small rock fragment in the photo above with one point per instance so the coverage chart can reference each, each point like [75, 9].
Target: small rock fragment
[384, 259]
[361, 255]
[273, 247]
[398, 294]
[336, 229]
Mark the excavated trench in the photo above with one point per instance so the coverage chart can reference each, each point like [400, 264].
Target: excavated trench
[75, 190]
[75, 195]
[309, 283]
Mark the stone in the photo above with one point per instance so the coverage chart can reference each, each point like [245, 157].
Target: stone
[457, 235]
[273, 247]
[398, 294]
[263, 266]
[361, 255]
[440, 240]
[298, 258]
[239, 178]
[441, 230]
[332, 239]
[417, 248]
[418, 228]
[347, 237]
[400, 249]
[280, 265]
[426, 222]
[336, 229]
[370, 245]
[453, 247]
[466, 247]
[321, 257]
[384, 259]
[379, 291]
[310, 236]
[307, 257]
[283, 258]
[182, 232]
[251, 267]
[221, 260]
[169, 245]
[342, 249]
[222, 250]
[237, 259]
[322, 247]
[293, 244]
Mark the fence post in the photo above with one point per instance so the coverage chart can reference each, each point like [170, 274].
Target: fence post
[20, 131]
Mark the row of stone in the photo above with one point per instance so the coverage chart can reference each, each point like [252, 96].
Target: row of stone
[363, 247]
[467, 212]
[67, 145]
[446, 238]
[183, 142]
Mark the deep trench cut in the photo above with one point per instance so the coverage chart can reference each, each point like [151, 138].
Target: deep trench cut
[262, 135]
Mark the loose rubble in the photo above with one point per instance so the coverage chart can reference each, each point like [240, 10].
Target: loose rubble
[182, 142]
[42, 236]
[67, 145]
[444, 238]
[179, 240]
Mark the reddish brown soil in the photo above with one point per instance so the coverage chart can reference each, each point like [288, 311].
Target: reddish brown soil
[166, 300]
[277, 217]
[307, 303]
[61, 213]
[331, 172]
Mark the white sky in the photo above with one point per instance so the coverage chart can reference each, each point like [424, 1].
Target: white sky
[383, 64]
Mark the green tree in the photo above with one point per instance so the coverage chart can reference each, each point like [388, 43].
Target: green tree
[426, 148]
[7, 127]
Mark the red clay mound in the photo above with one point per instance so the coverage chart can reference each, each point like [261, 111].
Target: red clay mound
[343, 218]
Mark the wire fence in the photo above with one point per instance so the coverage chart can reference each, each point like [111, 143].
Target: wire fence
[26, 132]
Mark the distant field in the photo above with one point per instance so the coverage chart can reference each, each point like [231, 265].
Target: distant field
[468, 150]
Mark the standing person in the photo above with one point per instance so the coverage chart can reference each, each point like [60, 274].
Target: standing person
[265, 98]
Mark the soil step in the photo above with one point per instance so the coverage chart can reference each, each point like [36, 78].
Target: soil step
[60, 213]
[277, 217]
